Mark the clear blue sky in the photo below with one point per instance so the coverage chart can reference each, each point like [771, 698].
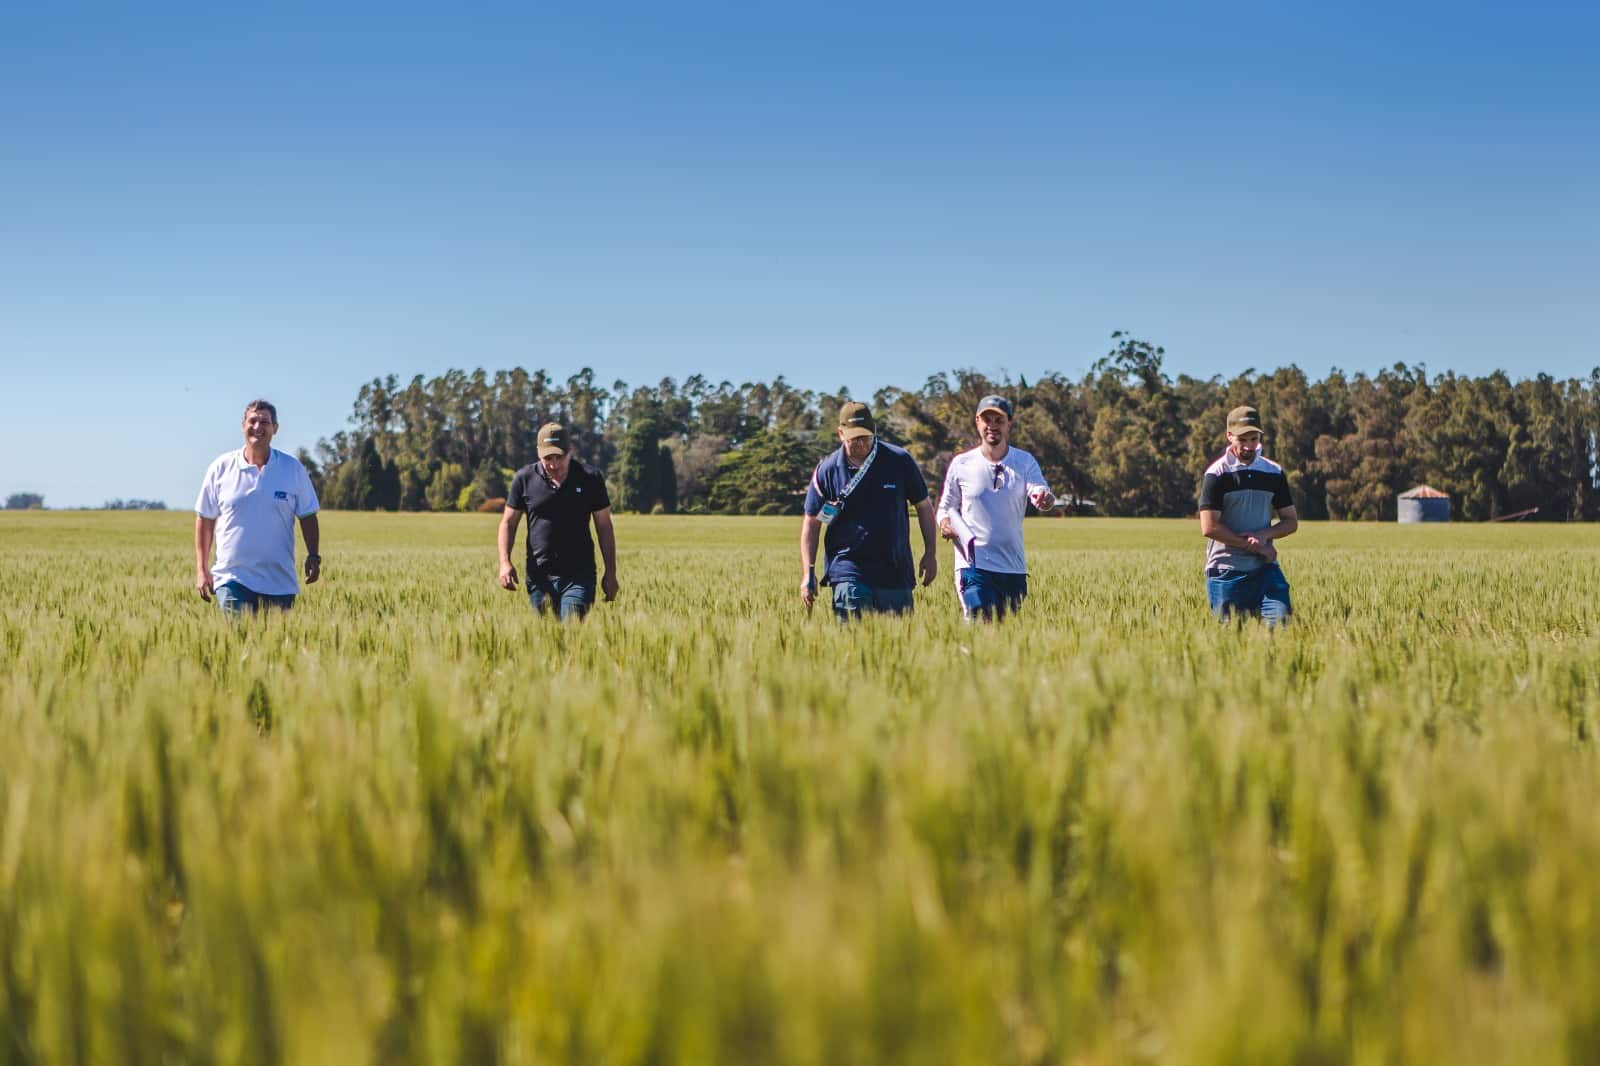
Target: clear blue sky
[203, 204]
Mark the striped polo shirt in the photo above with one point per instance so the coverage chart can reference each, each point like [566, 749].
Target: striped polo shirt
[1248, 495]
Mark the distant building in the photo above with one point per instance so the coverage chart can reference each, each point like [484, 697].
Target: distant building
[1069, 506]
[1424, 504]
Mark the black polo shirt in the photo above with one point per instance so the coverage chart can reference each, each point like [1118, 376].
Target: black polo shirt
[870, 541]
[559, 544]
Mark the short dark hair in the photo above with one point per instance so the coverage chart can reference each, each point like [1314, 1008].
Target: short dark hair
[262, 405]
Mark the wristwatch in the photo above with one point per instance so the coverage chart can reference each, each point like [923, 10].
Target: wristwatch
[314, 558]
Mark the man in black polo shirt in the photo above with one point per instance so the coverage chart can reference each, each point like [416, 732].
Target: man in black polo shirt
[859, 495]
[559, 494]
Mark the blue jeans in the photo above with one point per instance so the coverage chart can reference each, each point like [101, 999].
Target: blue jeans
[234, 598]
[1263, 592]
[853, 598]
[569, 597]
[989, 595]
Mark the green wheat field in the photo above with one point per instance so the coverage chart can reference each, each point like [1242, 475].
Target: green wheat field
[411, 823]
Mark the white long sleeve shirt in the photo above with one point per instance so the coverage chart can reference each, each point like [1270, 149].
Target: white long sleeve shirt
[991, 498]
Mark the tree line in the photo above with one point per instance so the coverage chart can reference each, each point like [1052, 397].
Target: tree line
[33, 501]
[1126, 438]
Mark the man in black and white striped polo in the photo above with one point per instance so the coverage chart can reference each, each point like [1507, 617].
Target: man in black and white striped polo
[1239, 498]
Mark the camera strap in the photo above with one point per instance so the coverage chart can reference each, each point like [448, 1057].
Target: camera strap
[838, 505]
[831, 508]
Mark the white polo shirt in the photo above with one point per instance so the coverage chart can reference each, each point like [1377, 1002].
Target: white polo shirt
[991, 498]
[255, 511]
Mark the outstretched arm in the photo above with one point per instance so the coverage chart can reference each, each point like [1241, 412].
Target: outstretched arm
[1038, 488]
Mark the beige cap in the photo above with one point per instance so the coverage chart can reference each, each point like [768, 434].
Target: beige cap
[553, 439]
[1243, 420]
[855, 420]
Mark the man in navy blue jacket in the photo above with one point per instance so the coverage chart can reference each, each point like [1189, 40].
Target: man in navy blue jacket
[859, 495]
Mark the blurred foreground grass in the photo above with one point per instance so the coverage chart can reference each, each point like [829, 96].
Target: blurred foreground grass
[409, 822]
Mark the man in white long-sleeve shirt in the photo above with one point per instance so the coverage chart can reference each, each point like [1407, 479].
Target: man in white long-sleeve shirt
[986, 493]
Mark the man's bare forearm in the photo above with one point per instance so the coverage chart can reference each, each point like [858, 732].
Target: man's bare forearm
[810, 534]
[1257, 543]
[926, 523]
[607, 536]
[1217, 531]
[204, 532]
[505, 539]
[1284, 527]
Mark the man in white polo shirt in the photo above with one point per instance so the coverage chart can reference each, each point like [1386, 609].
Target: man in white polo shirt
[986, 493]
[247, 506]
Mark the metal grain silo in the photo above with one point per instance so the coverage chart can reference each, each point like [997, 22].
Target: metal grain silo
[1423, 504]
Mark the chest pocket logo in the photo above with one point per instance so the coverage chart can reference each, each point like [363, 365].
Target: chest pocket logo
[890, 485]
[280, 495]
